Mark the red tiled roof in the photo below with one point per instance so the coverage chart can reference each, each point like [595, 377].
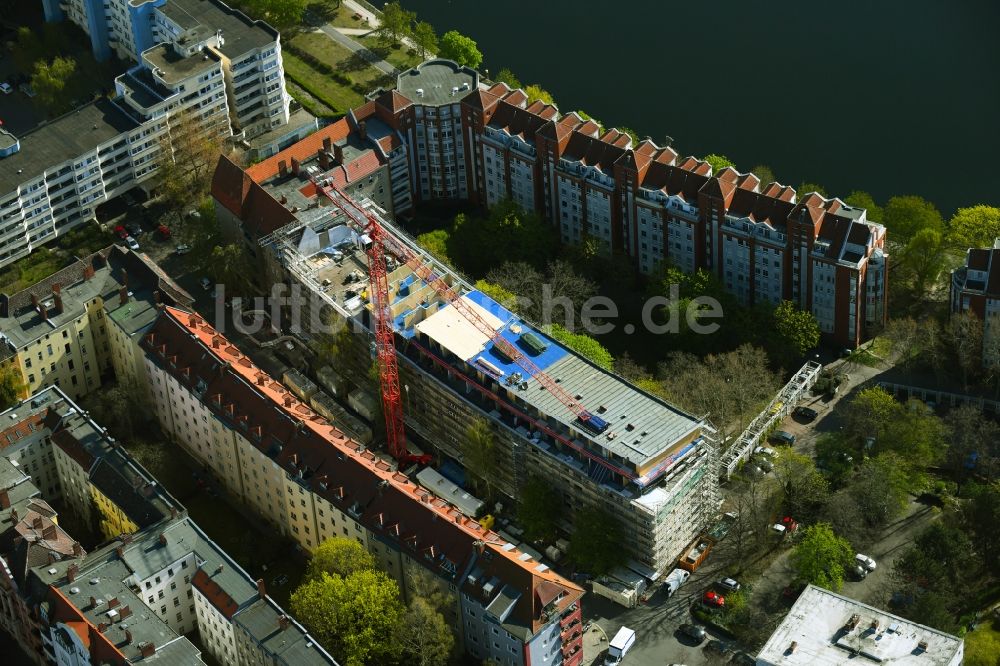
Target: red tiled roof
[215, 594]
[101, 650]
[22, 428]
[300, 150]
[393, 101]
[259, 211]
[331, 464]
[73, 448]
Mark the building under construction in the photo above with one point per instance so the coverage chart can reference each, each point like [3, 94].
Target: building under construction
[649, 464]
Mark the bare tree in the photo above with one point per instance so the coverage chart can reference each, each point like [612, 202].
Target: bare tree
[188, 155]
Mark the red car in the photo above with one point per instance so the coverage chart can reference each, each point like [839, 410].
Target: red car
[789, 523]
[164, 231]
[121, 232]
[713, 599]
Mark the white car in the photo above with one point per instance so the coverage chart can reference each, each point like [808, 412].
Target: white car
[765, 451]
[132, 243]
[205, 283]
[865, 561]
[6, 88]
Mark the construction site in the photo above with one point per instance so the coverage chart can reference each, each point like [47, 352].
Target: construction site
[448, 355]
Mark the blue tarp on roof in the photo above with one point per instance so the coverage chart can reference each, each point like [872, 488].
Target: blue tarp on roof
[544, 360]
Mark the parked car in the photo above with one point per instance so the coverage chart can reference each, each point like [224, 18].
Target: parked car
[865, 561]
[806, 414]
[712, 598]
[765, 451]
[121, 232]
[134, 228]
[719, 647]
[694, 631]
[164, 231]
[764, 464]
[782, 437]
[205, 283]
[730, 584]
[858, 572]
[182, 249]
[743, 659]
[6, 88]
[786, 525]
[132, 243]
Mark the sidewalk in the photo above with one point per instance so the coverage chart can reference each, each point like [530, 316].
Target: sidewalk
[354, 47]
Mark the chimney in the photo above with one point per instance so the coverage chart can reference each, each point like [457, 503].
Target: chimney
[93, 603]
[261, 590]
[163, 539]
[283, 200]
[157, 296]
[13, 513]
[36, 522]
[338, 153]
[4, 500]
[123, 295]
[128, 637]
[49, 533]
[88, 271]
[363, 130]
[326, 144]
[102, 627]
[147, 650]
[324, 160]
[283, 622]
[125, 612]
[283, 168]
[72, 571]
[77, 549]
[288, 401]
[173, 512]
[124, 277]
[127, 538]
[42, 310]
[260, 379]
[295, 166]
[113, 602]
[219, 569]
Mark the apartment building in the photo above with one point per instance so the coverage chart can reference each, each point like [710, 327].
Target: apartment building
[84, 322]
[294, 469]
[30, 536]
[192, 58]
[467, 140]
[649, 465]
[155, 578]
[975, 288]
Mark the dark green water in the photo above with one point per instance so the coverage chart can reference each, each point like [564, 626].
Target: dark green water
[890, 96]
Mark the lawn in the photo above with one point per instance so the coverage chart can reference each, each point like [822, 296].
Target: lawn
[982, 646]
[400, 56]
[45, 261]
[350, 74]
[338, 97]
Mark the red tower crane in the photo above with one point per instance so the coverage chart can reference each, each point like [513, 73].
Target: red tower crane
[377, 244]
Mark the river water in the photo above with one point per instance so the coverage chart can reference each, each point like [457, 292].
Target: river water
[889, 96]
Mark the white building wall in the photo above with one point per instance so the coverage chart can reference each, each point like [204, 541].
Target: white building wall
[170, 595]
[217, 634]
[823, 294]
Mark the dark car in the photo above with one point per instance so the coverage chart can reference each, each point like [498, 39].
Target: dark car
[693, 631]
[743, 659]
[805, 413]
[718, 646]
[782, 437]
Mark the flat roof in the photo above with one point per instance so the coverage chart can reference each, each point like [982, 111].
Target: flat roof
[174, 67]
[239, 32]
[430, 479]
[438, 80]
[67, 137]
[455, 333]
[819, 624]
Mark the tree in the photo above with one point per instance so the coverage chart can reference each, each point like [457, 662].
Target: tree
[507, 233]
[584, 345]
[49, 80]
[972, 435]
[479, 451]
[924, 256]
[870, 412]
[881, 489]
[425, 38]
[463, 50]
[424, 635]
[982, 515]
[106, 407]
[806, 187]
[978, 226]
[504, 297]
[718, 162]
[765, 174]
[822, 557]
[231, 268]
[280, 13]
[797, 329]
[536, 93]
[596, 543]
[508, 77]
[436, 242]
[357, 618]
[805, 490]
[539, 509]
[906, 215]
[632, 134]
[396, 23]
[12, 385]
[861, 199]
[964, 337]
[188, 155]
[339, 556]
[554, 297]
